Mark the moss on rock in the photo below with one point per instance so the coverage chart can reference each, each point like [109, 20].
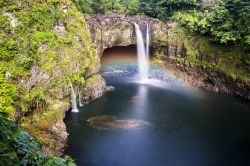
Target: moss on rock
[48, 48]
[200, 51]
[95, 87]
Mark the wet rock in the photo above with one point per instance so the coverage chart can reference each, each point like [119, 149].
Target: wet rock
[107, 122]
[134, 99]
[42, 47]
[172, 49]
[115, 29]
[183, 51]
[7, 75]
[202, 76]
[94, 88]
[110, 88]
[37, 75]
[64, 7]
[59, 28]
[49, 128]
[59, 133]
[210, 79]
[13, 20]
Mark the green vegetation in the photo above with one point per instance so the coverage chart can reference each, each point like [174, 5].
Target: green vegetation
[161, 9]
[42, 50]
[232, 61]
[226, 23]
[35, 47]
[103, 6]
[19, 148]
[219, 29]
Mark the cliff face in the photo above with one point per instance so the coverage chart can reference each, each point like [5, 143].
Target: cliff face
[114, 29]
[210, 66]
[202, 63]
[45, 46]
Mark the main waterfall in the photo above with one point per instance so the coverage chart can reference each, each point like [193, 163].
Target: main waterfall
[73, 99]
[147, 44]
[142, 53]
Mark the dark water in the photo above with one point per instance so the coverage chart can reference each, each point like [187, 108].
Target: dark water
[188, 129]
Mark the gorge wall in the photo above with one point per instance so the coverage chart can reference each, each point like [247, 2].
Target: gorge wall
[44, 47]
[114, 29]
[206, 65]
[195, 61]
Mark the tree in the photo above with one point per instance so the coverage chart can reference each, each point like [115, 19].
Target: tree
[133, 7]
[226, 23]
[84, 5]
[240, 11]
[162, 9]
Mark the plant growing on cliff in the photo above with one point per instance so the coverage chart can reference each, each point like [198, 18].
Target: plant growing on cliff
[19, 148]
[36, 47]
[46, 48]
[226, 23]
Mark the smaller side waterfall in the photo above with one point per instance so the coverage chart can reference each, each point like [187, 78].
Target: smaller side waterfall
[79, 98]
[73, 99]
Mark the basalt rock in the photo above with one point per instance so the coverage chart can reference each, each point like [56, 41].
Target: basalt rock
[209, 79]
[178, 54]
[95, 87]
[13, 20]
[115, 29]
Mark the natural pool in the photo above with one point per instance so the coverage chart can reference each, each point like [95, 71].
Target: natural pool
[172, 126]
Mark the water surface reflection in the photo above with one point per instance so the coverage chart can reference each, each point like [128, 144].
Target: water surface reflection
[188, 128]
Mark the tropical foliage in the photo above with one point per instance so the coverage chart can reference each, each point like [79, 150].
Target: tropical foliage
[19, 148]
[30, 43]
[226, 23]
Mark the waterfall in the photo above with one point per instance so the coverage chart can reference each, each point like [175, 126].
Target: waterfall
[73, 99]
[143, 64]
[147, 44]
[79, 98]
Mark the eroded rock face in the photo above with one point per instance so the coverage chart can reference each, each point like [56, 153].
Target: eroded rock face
[177, 53]
[109, 30]
[60, 137]
[37, 75]
[59, 28]
[94, 88]
[211, 79]
[114, 29]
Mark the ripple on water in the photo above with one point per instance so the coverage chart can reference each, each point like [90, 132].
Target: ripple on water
[107, 122]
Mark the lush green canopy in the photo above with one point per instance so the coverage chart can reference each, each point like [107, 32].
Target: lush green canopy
[225, 21]
[19, 148]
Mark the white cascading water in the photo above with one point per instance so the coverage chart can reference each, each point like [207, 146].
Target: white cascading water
[79, 98]
[73, 99]
[143, 64]
[147, 44]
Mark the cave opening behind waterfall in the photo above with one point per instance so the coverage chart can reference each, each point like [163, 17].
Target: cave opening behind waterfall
[120, 60]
